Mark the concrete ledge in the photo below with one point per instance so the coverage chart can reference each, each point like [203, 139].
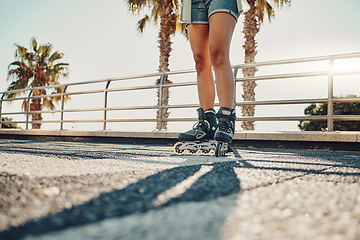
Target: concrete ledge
[302, 136]
[351, 137]
[246, 135]
[334, 141]
[66, 133]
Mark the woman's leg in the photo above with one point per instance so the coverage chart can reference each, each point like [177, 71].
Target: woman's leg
[221, 28]
[199, 42]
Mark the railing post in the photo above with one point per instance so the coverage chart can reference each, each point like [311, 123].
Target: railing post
[28, 109]
[62, 108]
[105, 102]
[236, 69]
[330, 108]
[161, 96]
[1, 101]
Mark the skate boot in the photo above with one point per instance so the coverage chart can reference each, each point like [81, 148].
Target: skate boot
[225, 131]
[201, 137]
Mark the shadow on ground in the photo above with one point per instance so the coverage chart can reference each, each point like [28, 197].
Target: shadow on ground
[139, 197]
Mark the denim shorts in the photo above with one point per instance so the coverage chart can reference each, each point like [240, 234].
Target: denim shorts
[201, 10]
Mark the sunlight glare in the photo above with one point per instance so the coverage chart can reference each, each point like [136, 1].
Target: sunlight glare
[347, 65]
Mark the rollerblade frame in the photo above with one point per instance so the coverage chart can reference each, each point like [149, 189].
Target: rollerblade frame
[205, 147]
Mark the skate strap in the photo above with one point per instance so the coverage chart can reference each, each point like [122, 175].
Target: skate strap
[202, 113]
[210, 111]
[203, 124]
[226, 114]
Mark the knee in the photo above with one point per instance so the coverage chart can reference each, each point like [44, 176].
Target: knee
[201, 62]
[219, 57]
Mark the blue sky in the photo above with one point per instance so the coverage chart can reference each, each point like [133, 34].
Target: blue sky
[99, 38]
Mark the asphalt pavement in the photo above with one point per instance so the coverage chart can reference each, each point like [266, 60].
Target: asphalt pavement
[78, 190]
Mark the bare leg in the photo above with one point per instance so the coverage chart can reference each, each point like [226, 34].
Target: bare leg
[221, 28]
[199, 41]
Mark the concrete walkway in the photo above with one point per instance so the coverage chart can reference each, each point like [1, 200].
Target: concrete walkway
[73, 190]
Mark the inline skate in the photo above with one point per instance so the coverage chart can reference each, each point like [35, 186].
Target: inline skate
[225, 131]
[199, 139]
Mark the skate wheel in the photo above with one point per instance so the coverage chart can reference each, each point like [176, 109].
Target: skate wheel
[193, 151]
[203, 151]
[221, 149]
[177, 148]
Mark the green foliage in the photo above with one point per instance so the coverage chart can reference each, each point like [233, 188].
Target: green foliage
[8, 125]
[154, 10]
[37, 67]
[346, 108]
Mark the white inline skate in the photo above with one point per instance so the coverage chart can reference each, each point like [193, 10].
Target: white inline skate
[199, 139]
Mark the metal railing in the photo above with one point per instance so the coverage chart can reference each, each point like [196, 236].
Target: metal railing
[330, 99]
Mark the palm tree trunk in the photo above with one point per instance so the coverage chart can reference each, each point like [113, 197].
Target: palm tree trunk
[251, 28]
[167, 27]
[35, 105]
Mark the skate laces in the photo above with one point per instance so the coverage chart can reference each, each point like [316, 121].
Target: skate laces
[226, 126]
[202, 124]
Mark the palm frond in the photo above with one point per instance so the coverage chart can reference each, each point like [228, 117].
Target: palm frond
[156, 12]
[56, 56]
[270, 11]
[25, 105]
[142, 22]
[34, 44]
[181, 26]
[20, 51]
[282, 3]
[44, 51]
[136, 5]
[264, 7]
[48, 103]
[260, 6]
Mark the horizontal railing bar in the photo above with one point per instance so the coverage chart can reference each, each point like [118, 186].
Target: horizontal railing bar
[349, 99]
[33, 112]
[112, 109]
[102, 90]
[278, 102]
[31, 97]
[83, 92]
[90, 82]
[105, 80]
[153, 86]
[344, 72]
[282, 76]
[184, 84]
[246, 103]
[300, 60]
[14, 99]
[285, 118]
[36, 88]
[132, 88]
[288, 118]
[115, 79]
[296, 75]
[186, 106]
[346, 117]
[239, 104]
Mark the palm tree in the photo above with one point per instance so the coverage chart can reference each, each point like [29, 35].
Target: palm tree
[254, 17]
[36, 68]
[168, 12]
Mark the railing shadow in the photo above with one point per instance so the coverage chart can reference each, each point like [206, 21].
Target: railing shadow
[139, 197]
